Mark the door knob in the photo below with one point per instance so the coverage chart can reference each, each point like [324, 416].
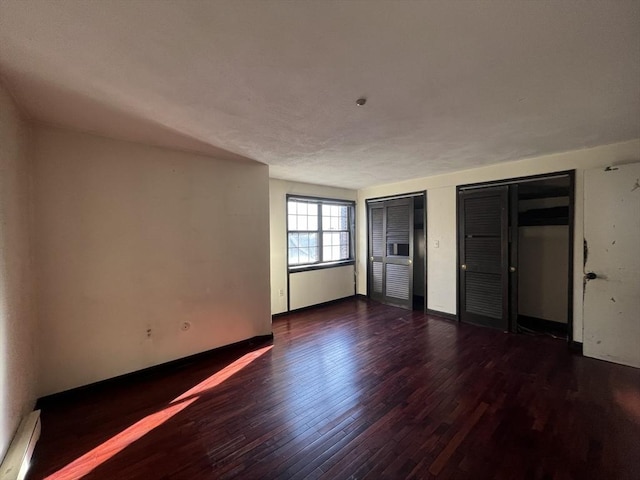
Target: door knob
[590, 276]
[410, 262]
[463, 267]
[512, 269]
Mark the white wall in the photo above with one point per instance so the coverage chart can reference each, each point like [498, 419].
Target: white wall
[131, 238]
[543, 262]
[318, 286]
[441, 260]
[18, 363]
[327, 284]
[441, 201]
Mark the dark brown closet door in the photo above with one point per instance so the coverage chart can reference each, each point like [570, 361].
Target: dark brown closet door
[376, 251]
[398, 263]
[484, 255]
[391, 252]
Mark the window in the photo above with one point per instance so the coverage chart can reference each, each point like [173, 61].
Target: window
[320, 231]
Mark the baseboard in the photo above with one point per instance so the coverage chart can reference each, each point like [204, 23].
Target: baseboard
[445, 315]
[360, 296]
[575, 347]
[309, 307]
[155, 370]
[18, 458]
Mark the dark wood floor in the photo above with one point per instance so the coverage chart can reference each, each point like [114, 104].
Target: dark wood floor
[358, 390]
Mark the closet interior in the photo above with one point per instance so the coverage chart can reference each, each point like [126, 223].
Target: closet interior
[419, 253]
[543, 256]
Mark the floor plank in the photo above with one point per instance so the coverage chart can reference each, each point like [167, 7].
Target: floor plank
[358, 390]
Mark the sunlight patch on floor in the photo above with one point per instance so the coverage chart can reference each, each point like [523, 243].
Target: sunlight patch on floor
[111, 447]
[629, 401]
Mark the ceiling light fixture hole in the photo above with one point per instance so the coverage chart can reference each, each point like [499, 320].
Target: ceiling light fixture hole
[361, 101]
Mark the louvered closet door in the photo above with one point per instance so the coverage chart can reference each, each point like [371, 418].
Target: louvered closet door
[376, 251]
[398, 266]
[483, 253]
[391, 251]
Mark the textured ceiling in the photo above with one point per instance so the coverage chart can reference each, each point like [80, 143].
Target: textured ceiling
[450, 84]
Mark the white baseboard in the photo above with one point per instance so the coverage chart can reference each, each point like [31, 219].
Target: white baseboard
[18, 458]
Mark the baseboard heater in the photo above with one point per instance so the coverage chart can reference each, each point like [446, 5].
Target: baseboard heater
[16, 462]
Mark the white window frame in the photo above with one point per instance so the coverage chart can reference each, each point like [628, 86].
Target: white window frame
[318, 202]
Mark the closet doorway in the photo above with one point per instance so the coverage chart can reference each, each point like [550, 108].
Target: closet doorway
[396, 267]
[515, 245]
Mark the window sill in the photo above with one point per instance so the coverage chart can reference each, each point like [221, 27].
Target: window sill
[320, 266]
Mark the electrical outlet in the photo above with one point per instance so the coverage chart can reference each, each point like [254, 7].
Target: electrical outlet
[281, 292]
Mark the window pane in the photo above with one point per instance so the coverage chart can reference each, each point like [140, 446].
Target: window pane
[344, 221]
[303, 248]
[327, 239]
[293, 240]
[313, 216]
[302, 216]
[335, 217]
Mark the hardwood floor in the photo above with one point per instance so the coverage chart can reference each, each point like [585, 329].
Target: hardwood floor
[358, 390]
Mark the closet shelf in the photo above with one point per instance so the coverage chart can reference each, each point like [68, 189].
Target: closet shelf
[544, 216]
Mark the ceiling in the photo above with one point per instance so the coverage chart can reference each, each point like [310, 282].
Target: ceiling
[450, 85]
